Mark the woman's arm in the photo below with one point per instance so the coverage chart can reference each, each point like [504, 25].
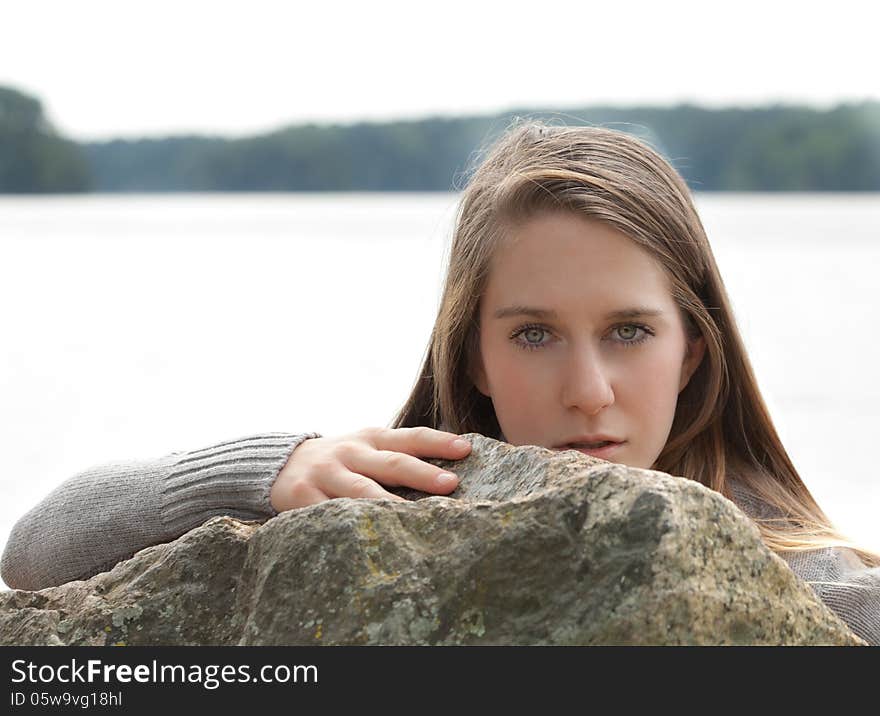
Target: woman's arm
[105, 514]
[838, 577]
[845, 585]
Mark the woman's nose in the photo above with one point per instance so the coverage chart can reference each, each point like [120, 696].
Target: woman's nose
[587, 382]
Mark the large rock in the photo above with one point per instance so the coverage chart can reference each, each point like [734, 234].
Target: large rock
[534, 547]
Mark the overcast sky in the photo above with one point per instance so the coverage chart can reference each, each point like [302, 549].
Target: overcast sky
[123, 69]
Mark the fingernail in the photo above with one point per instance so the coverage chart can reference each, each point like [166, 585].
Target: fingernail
[461, 444]
[446, 478]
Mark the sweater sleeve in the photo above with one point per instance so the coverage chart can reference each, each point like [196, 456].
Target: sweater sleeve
[107, 513]
[836, 574]
[852, 591]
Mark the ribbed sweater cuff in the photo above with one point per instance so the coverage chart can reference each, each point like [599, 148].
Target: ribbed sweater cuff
[229, 478]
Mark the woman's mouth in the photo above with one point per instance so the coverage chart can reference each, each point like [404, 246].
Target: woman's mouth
[601, 450]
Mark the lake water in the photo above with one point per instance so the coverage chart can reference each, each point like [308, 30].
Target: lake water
[137, 325]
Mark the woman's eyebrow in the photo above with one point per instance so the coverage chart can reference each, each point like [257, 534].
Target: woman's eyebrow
[535, 312]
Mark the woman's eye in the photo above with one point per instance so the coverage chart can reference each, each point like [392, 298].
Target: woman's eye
[629, 334]
[625, 334]
[533, 333]
[532, 336]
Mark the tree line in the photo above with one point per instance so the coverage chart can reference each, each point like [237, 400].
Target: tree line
[771, 148]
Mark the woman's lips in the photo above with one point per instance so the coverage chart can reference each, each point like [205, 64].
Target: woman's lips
[601, 452]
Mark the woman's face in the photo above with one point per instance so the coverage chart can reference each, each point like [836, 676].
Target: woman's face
[577, 370]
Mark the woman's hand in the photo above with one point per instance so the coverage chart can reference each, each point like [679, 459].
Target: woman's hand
[358, 464]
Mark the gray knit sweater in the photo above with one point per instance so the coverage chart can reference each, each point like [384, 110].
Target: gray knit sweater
[106, 513]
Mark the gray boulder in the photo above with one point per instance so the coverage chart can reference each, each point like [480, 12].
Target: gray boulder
[534, 547]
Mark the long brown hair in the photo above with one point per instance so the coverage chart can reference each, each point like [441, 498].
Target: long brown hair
[721, 427]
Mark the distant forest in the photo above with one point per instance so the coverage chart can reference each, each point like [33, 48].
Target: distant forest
[774, 148]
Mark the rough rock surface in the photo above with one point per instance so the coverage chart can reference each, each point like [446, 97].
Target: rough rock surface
[534, 547]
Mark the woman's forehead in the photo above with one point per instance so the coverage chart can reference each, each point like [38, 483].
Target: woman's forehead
[571, 261]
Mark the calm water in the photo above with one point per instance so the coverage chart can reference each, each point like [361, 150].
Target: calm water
[133, 326]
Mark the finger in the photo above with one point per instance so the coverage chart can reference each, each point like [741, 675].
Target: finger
[301, 495]
[422, 441]
[308, 495]
[345, 483]
[397, 468]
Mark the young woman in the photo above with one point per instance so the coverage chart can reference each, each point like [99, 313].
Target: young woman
[583, 309]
